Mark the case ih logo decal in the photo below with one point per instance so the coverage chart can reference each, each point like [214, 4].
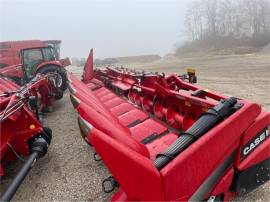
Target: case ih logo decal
[255, 142]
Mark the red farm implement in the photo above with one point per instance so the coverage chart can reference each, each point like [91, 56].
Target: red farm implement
[22, 134]
[163, 138]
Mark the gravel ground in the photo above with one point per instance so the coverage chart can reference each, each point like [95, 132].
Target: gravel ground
[68, 171]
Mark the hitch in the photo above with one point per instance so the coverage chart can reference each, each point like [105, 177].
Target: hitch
[38, 147]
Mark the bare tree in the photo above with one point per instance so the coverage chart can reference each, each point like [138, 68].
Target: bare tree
[211, 10]
[194, 20]
[264, 7]
[222, 18]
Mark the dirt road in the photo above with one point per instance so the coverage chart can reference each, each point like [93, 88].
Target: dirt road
[69, 172]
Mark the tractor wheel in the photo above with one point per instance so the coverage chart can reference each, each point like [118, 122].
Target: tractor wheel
[61, 80]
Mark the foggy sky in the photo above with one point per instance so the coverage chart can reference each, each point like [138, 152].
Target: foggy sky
[111, 27]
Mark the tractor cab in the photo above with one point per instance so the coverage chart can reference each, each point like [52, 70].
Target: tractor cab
[36, 60]
[32, 58]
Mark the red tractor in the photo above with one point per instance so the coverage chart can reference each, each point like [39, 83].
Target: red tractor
[22, 60]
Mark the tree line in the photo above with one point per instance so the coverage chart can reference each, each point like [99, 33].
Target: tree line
[240, 21]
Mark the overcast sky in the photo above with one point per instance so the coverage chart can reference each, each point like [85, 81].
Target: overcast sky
[111, 27]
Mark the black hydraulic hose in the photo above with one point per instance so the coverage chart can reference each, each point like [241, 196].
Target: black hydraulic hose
[207, 121]
[39, 148]
[20, 177]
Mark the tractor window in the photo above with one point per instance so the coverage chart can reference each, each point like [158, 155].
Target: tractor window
[32, 55]
[48, 54]
[57, 51]
[31, 59]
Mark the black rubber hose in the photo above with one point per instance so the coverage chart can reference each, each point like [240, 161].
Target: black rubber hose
[8, 194]
[207, 121]
[38, 148]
